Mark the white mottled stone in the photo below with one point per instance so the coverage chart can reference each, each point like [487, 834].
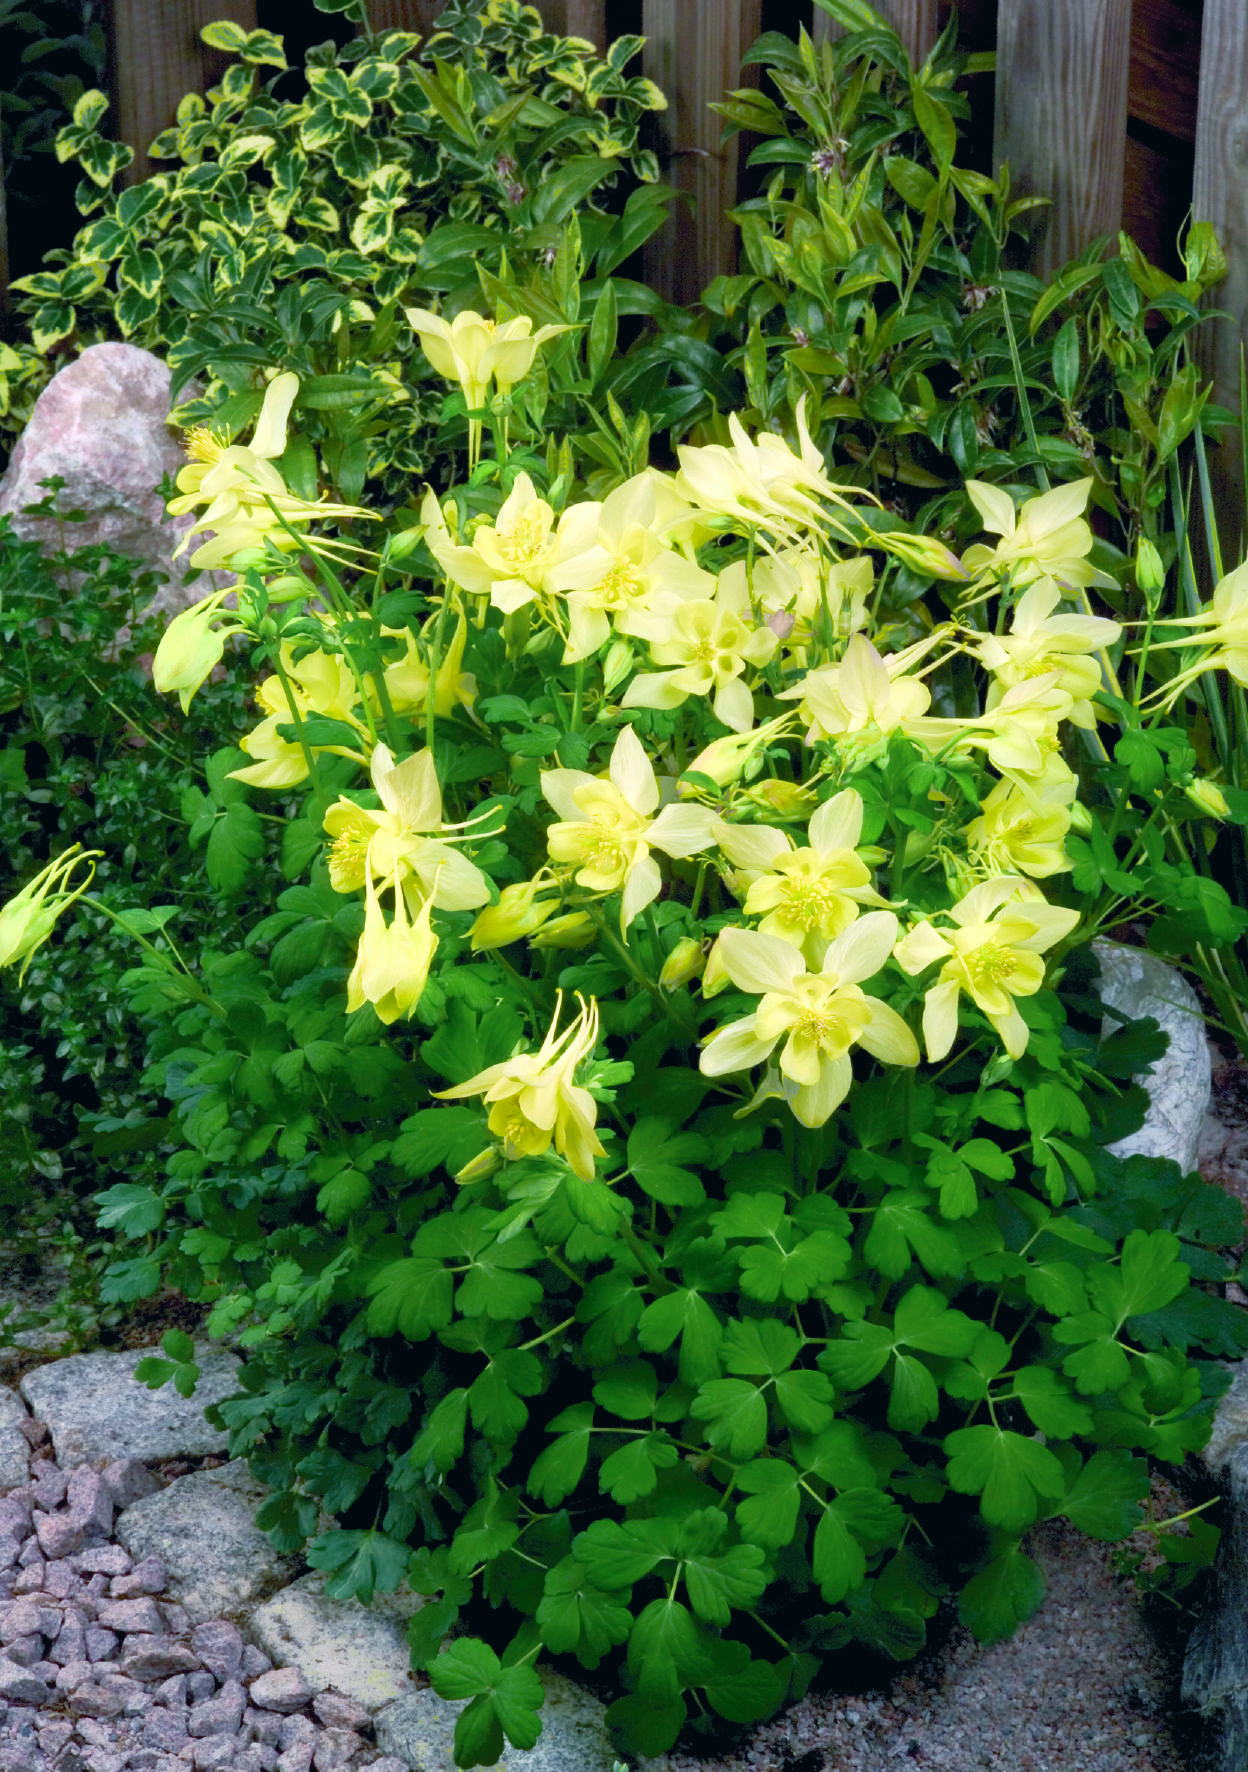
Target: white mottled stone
[1179, 1085]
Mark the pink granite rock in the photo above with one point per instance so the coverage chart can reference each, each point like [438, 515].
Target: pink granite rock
[101, 425]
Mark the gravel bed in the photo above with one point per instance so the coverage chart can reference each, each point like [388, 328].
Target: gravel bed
[1080, 1688]
[99, 1673]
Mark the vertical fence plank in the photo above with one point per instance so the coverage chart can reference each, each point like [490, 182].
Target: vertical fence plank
[1061, 115]
[403, 15]
[1220, 196]
[5, 298]
[916, 22]
[157, 59]
[693, 52]
[588, 18]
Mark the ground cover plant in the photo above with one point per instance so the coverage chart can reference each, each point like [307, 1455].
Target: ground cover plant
[84, 749]
[647, 1117]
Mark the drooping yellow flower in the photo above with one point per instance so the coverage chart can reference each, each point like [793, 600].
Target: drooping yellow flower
[607, 829]
[725, 760]
[1049, 537]
[808, 895]
[192, 644]
[993, 954]
[710, 650]
[393, 959]
[395, 842]
[760, 484]
[320, 683]
[407, 679]
[1040, 642]
[820, 1016]
[475, 351]
[29, 917]
[801, 583]
[534, 1100]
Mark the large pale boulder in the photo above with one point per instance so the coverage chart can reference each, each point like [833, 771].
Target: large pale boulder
[419, 1729]
[14, 1446]
[101, 424]
[1179, 1084]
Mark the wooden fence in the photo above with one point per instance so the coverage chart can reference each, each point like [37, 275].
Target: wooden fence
[1123, 112]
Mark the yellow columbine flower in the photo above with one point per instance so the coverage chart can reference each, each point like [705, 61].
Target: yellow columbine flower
[475, 351]
[725, 760]
[628, 578]
[806, 896]
[534, 1100]
[1225, 625]
[710, 649]
[818, 1015]
[320, 683]
[512, 561]
[393, 959]
[1020, 829]
[1049, 537]
[993, 954]
[236, 482]
[29, 917]
[1040, 642]
[860, 701]
[395, 841]
[763, 483]
[192, 644]
[607, 829]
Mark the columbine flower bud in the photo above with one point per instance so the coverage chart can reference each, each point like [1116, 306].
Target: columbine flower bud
[484, 1164]
[783, 798]
[715, 979]
[924, 554]
[1208, 797]
[573, 930]
[189, 648]
[617, 665]
[518, 912]
[725, 760]
[686, 961]
[1150, 574]
[1080, 818]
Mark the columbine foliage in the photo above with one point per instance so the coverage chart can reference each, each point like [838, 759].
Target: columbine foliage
[609, 1260]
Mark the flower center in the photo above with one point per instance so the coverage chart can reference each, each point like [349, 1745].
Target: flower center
[600, 847]
[805, 901]
[204, 445]
[348, 854]
[990, 963]
[526, 540]
[622, 586]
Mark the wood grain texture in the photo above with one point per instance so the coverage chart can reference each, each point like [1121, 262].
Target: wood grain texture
[5, 298]
[587, 18]
[1165, 66]
[403, 15]
[1061, 115]
[157, 58]
[1220, 196]
[694, 55]
[917, 22]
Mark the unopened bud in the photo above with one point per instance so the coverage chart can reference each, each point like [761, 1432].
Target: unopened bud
[617, 665]
[573, 930]
[518, 912]
[402, 546]
[1150, 574]
[1080, 818]
[715, 979]
[726, 759]
[487, 1163]
[686, 961]
[924, 554]
[1208, 797]
[783, 798]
